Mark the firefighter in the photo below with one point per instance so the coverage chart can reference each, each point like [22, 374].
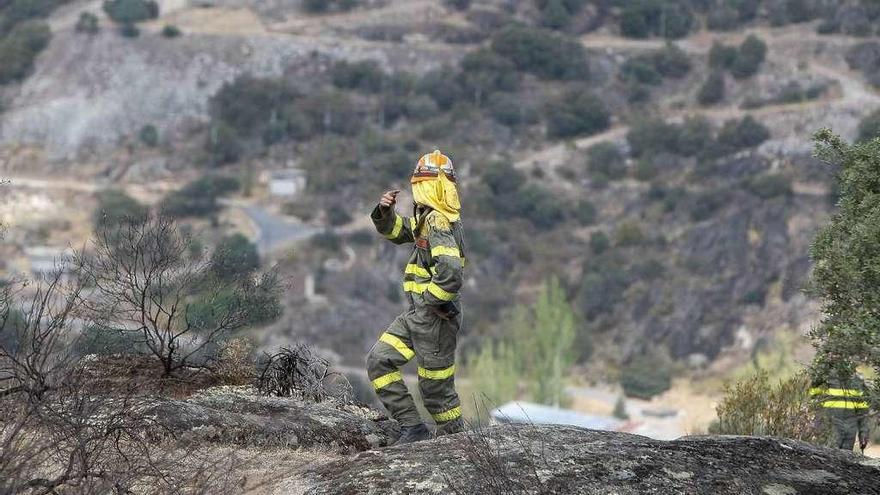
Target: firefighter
[844, 398]
[428, 329]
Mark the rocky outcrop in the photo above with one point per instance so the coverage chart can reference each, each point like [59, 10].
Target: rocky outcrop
[568, 460]
[237, 415]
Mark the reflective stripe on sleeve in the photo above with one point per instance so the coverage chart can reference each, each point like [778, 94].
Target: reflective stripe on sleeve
[412, 225]
[413, 269]
[397, 344]
[449, 415]
[398, 226]
[837, 392]
[445, 251]
[437, 374]
[410, 286]
[844, 404]
[385, 380]
[439, 293]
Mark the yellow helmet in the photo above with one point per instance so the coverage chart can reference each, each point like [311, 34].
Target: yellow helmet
[429, 167]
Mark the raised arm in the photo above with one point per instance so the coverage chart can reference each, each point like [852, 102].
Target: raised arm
[396, 228]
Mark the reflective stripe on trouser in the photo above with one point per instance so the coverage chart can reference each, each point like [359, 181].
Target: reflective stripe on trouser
[431, 340]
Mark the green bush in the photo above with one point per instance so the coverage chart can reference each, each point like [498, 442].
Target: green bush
[605, 160]
[234, 257]
[170, 31]
[754, 406]
[366, 75]
[869, 127]
[743, 134]
[644, 18]
[769, 185]
[586, 212]
[705, 204]
[484, 72]
[87, 23]
[641, 69]
[544, 53]
[712, 90]
[577, 113]
[224, 144]
[629, 233]
[443, 85]
[129, 30]
[652, 135]
[602, 287]
[149, 135]
[599, 242]
[117, 209]
[651, 68]
[645, 376]
[131, 11]
[749, 58]
[20, 48]
[199, 197]
[722, 56]
[694, 137]
[510, 110]
[14, 12]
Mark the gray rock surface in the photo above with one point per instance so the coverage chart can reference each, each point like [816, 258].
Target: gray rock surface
[237, 415]
[568, 460]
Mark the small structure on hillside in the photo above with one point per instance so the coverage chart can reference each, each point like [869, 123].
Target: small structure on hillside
[287, 183]
[528, 412]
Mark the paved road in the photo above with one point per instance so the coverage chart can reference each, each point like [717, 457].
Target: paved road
[274, 232]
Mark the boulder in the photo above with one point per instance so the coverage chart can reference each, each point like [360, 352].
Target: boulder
[239, 416]
[569, 460]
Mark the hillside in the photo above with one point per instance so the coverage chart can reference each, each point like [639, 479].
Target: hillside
[669, 185]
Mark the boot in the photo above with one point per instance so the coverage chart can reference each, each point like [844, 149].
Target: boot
[448, 428]
[411, 434]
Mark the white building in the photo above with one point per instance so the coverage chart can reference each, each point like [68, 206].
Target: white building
[287, 183]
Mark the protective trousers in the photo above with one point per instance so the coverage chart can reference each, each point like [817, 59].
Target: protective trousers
[422, 334]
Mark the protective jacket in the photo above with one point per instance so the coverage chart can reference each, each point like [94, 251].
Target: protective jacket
[846, 404]
[428, 329]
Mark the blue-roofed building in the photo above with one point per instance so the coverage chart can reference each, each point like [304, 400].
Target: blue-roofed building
[528, 412]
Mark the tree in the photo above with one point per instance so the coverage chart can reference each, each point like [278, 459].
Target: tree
[131, 11]
[234, 257]
[712, 90]
[869, 127]
[555, 15]
[845, 255]
[544, 53]
[645, 376]
[746, 133]
[549, 341]
[577, 113]
[20, 48]
[87, 23]
[149, 135]
[199, 197]
[116, 209]
[605, 160]
[749, 58]
[155, 298]
[366, 75]
[495, 372]
[722, 56]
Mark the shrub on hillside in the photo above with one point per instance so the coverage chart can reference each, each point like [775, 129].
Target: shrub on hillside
[746, 133]
[652, 67]
[364, 75]
[20, 48]
[749, 58]
[443, 85]
[131, 11]
[15, 12]
[149, 135]
[722, 56]
[577, 113]
[510, 110]
[869, 127]
[599, 242]
[652, 135]
[712, 90]
[485, 72]
[602, 286]
[768, 186]
[645, 376]
[605, 160]
[629, 233]
[199, 197]
[755, 406]
[87, 23]
[645, 18]
[171, 31]
[541, 52]
[117, 209]
[235, 256]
